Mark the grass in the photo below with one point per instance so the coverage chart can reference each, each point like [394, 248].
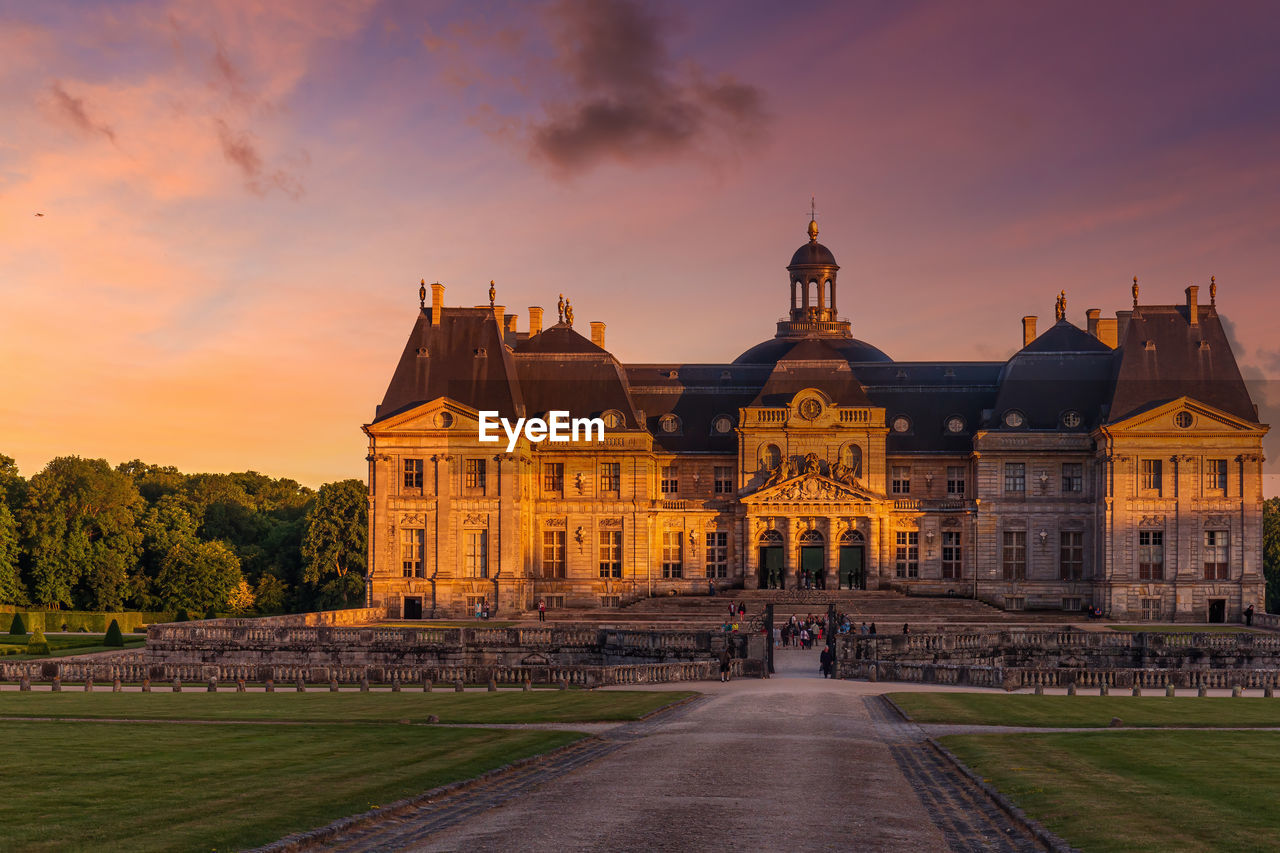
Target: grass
[1139, 791]
[544, 706]
[997, 709]
[64, 645]
[1185, 629]
[158, 786]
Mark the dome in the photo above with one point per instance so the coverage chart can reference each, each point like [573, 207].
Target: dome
[813, 254]
[811, 349]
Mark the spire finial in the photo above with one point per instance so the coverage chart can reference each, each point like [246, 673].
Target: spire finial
[422, 293]
[1213, 291]
[813, 220]
[1060, 308]
[492, 293]
[1135, 291]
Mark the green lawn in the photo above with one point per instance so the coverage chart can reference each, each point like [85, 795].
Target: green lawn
[1139, 791]
[159, 786]
[999, 709]
[505, 706]
[62, 645]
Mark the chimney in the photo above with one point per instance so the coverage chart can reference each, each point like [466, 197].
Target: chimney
[497, 316]
[437, 302]
[1028, 330]
[535, 320]
[1091, 317]
[1193, 306]
[1107, 332]
[509, 322]
[597, 333]
[1122, 323]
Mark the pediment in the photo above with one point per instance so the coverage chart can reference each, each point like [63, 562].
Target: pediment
[439, 414]
[1184, 415]
[811, 488]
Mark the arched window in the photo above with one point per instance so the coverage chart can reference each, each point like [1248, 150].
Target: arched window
[770, 457]
[770, 537]
[811, 537]
[851, 537]
[851, 456]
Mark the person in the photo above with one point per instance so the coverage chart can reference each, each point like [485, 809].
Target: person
[906, 629]
[1248, 615]
[872, 630]
[542, 610]
[711, 588]
[732, 611]
[724, 663]
[862, 629]
[484, 607]
[804, 638]
[824, 661]
[477, 608]
[777, 637]
[742, 609]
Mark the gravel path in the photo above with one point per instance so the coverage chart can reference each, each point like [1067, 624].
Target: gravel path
[792, 762]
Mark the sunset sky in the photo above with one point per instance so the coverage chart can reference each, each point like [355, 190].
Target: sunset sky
[239, 198]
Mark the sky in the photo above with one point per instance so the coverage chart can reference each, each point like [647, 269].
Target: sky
[214, 215]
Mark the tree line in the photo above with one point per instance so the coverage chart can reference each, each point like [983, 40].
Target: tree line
[82, 535]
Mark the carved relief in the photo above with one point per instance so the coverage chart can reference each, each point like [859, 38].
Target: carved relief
[556, 522]
[411, 518]
[1217, 521]
[611, 523]
[476, 518]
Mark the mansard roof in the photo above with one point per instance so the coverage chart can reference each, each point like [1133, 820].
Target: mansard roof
[1164, 356]
[1063, 336]
[560, 338]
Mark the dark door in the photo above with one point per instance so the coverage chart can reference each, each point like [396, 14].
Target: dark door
[853, 574]
[1217, 610]
[413, 607]
[811, 564]
[771, 567]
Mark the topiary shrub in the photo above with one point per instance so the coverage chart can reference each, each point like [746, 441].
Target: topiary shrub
[211, 614]
[182, 616]
[38, 645]
[18, 628]
[114, 637]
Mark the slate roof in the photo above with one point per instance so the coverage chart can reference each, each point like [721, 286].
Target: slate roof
[848, 349]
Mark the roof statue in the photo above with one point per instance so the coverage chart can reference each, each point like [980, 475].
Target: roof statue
[1060, 308]
[560, 309]
[568, 312]
[1135, 291]
[1213, 291]
[422, 293]
[492, 293]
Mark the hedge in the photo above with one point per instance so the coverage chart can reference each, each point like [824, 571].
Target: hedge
[89, 622]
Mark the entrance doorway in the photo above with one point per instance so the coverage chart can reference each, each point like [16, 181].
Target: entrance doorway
[771, 559]
[1217, 610]
[812, 564]
[853, 566]
[413, 607]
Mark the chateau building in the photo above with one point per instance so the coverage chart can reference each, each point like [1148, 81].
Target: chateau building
[1116, 466]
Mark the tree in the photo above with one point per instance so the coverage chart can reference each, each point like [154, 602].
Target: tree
[197, 576]
[113, 637]
[269, 595]
[12, 590]
[37, 644]
[17, 627]
[335, 546]
[81, 533]
[241, 598]
[13, 489]
[1271, 552]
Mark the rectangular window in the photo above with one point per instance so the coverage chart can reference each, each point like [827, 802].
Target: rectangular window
[1072, 477]
[907, 554]
[1150, 555]
[477, 553]
[413, 473]
[670, 479]
[1152, 476]
[553, 565]
[1216, 554]
[901, 480]
[955, 481]
[473, 475]
[717, 554]
[610, 553]
[1014, 556]
[1215, 476]
[724, 480]
[1015, 477]
[1151, 609]
[952, 557]
[1071, 555]
[411, 542]
[1071, 603]
[672, 554]
[610, 476]
[553, 477]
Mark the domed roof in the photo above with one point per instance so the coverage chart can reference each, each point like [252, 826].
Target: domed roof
[813, 253]
[811, 349]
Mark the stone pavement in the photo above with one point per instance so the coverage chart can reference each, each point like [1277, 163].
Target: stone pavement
[792, 762]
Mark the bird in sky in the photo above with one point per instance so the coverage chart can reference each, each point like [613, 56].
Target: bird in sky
[39, 214]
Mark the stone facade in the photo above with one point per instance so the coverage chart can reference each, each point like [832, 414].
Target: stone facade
[1087, 471]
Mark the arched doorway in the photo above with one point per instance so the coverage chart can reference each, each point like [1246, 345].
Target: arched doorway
[812, 574]
[771, 560]
[853, 556]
